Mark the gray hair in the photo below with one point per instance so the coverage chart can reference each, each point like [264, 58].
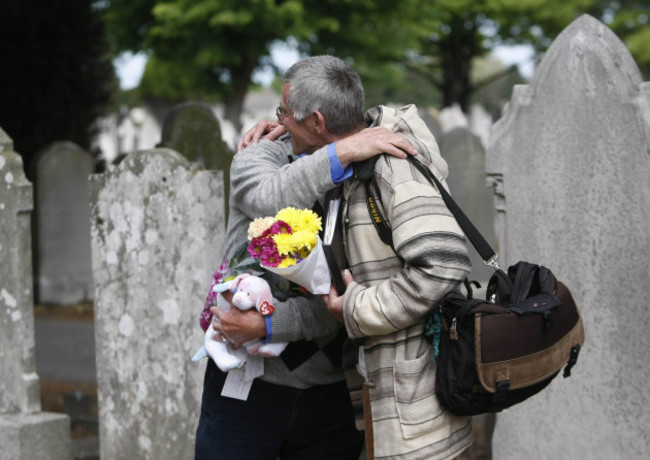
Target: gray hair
[330, 86]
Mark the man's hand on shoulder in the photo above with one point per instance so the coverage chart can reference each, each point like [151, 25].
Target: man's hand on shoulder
[271, 129]
[370, 142]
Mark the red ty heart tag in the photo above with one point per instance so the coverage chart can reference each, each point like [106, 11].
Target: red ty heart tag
[266, 309]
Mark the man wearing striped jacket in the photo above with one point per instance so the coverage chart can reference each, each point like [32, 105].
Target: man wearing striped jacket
[390, 293]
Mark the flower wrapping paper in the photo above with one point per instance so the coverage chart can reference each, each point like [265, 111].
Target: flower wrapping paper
[312, 273]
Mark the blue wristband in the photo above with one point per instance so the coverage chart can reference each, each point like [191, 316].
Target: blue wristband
[269, 328]
[339, 174]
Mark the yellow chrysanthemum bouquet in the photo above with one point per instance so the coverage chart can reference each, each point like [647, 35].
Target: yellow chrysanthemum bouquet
[288, 244]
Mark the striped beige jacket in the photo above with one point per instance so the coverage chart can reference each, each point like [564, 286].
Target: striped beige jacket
[389, 301]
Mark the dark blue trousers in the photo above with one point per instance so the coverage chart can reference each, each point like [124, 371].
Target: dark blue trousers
[276, 422]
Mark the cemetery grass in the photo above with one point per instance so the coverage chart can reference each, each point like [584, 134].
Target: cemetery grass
[52, 392]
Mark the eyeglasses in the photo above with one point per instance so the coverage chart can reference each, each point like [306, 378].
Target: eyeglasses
[281, 112]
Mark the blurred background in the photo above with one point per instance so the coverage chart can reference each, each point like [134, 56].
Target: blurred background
[88, 70]
[106, 74]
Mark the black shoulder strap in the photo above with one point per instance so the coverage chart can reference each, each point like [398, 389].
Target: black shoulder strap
[383, 228]
[377, 217]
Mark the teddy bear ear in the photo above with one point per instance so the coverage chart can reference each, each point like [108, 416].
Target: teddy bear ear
[264, 295]
[222, 287]
[234, 284]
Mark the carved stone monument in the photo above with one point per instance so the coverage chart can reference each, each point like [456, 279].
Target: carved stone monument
[64, 270]
[25, 432]
[193, 130]
[571, 161]
[466, 158]
[157, 235]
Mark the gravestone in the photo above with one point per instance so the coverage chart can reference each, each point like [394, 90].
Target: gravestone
[465, 156]
[157, 226]
[64, 269]
[571, 161]
[431, 119]
[192, 129]
[480, 123]
[451, 118]
[25, 431]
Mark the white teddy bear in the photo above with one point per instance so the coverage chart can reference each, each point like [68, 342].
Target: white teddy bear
[249, 291]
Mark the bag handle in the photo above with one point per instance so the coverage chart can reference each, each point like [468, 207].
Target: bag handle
[480, 244]
[383, 228]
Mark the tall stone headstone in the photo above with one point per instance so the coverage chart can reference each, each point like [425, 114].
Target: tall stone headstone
[25, 431]
[193, 130]
[451, 118]
[431, 119]
[64, 269]
[571, 162]
[480, 123]
[157, 236]
[465, 156]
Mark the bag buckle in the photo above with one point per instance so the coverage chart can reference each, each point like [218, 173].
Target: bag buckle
[500, 395]
[492, 262]
[573, 359]
[501, 390]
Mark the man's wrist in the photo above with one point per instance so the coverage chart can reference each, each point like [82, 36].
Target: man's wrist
[268, 323]
[342, 154]
[338, 170]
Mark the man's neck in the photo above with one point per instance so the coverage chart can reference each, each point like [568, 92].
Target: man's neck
[331, 138]
[337, 137]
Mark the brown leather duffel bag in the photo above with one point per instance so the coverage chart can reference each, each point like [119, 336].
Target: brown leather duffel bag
[498, 352]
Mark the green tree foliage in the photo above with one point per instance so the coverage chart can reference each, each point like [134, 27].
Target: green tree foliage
[630, 20]
[210, 48]
[454, 33]
[57, 77]
[492, 84]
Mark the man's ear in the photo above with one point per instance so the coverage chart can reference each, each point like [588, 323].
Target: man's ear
[317, 121]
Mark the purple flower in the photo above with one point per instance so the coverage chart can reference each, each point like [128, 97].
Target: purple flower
[270, 256]
[255, 246]
[219, 275]
[280, 226]
[205, 319]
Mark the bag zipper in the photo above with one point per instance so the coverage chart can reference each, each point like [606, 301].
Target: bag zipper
[453, 330]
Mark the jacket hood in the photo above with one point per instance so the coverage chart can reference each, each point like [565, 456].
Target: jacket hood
[406, 121]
